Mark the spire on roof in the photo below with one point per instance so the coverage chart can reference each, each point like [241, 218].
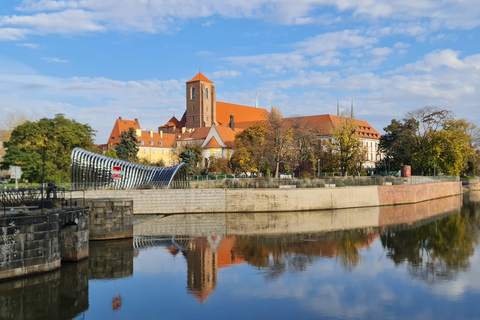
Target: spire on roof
[351, 112]
[338, 107]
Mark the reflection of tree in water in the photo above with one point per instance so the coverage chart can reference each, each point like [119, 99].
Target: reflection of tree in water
[440, 249]
[294, 253]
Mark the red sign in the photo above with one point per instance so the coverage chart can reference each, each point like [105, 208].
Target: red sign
[117, 172]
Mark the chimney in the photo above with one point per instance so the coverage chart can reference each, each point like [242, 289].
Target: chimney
[151, 133]
[120, 118]
[161, 134]
[183, 129]
[232, 123]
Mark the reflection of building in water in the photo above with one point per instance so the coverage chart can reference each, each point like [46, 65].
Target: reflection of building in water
[205, 256]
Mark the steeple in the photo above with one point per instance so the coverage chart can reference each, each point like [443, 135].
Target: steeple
[351, 112]
[338, 107]
[200, 102]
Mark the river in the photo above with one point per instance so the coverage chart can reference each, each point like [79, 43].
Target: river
[417, 261]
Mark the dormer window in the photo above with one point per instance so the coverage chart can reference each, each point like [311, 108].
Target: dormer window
[206, 93]
[151, 143]
[142, 142]
[192, 94]
[160, 143]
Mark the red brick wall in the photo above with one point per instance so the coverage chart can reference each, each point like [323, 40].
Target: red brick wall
[413, 193]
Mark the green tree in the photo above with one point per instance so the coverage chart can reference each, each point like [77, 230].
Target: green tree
[398, 144]
[111, 153]
[58, 136]
[191, 156]
[346, 147]
[127, 148]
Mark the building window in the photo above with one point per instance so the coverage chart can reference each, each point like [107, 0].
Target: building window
[153, 151]
[142, 142]
[192, 94]
[151, 143]
[144, 151]
[162, 152]
[160, 143]
[206, 93]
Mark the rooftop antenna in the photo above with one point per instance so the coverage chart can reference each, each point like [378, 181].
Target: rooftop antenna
[351, 112]
[338, 107]
[256, 99]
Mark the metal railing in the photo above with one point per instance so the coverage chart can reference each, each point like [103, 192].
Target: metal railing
[320, 183]
[31, 198]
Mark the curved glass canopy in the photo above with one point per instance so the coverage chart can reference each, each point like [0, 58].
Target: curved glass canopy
[91, 170]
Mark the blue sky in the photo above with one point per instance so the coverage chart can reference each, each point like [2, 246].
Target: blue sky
[96, 61]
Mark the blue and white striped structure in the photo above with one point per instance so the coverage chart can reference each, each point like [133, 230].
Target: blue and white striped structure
[91, 170]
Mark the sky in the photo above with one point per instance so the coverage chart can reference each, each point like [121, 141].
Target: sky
[95, 61]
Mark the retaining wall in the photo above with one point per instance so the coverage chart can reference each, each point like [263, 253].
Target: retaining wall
[36, 242]
[161, 201]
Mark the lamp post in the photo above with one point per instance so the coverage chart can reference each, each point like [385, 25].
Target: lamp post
[318, 168]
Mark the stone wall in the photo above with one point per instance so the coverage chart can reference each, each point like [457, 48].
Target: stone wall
[30, 243]
[110, 218]
[161, 201]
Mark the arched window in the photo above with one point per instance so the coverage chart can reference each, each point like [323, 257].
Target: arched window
[206, 92]
[192, 93]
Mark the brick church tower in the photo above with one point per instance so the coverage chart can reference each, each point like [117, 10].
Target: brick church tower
[201, 105]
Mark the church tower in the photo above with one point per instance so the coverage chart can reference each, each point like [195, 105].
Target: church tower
[201, 105]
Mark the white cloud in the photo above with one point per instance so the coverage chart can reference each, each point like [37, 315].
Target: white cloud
[56, 60]
[333, 41]
[28, 45]
[225, 74]
[48, 16]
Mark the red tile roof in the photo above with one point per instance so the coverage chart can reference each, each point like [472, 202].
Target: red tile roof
[240, 113]
[123, 125]
[154, 140]
[120, 126]
[213, 144]
[199, 77]
[325, 123]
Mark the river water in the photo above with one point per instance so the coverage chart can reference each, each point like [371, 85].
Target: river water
[405, 262]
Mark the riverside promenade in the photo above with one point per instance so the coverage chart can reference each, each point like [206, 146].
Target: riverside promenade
[224, 200]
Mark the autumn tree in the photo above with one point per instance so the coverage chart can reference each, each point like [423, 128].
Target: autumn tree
[9, 122]
[56, 137]
[127, 148]
[346, 146]
[430, 139]
[278, 139]
[303, 145]
[250, 149]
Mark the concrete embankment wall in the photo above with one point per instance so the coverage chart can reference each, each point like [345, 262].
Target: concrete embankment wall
[162, 201]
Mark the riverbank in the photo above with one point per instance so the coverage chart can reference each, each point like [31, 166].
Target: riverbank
[171, 201]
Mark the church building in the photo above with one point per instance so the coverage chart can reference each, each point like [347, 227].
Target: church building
[213, 124]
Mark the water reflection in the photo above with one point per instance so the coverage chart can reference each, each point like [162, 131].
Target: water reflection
[438, 250]
[279, 243]
[417, 261]
[62, 294]
[110, 259]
